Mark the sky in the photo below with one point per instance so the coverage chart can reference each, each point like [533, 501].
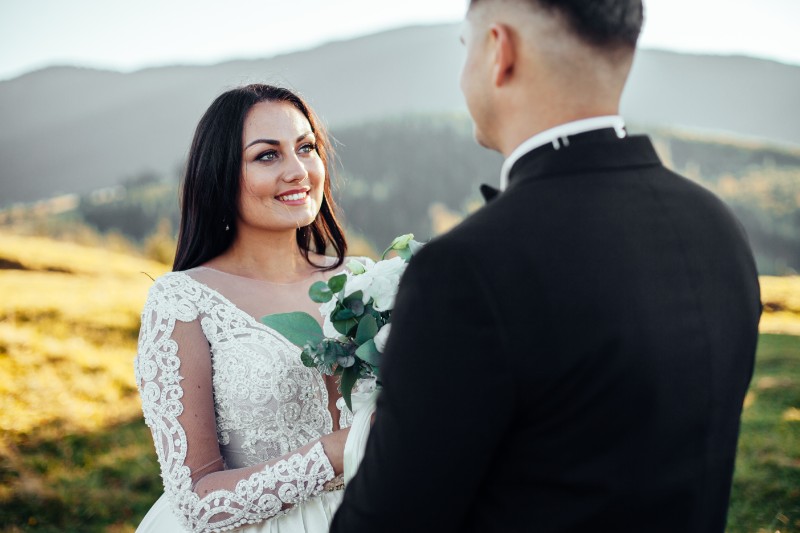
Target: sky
[129, 35]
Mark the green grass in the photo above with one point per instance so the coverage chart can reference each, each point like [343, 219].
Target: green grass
[766, 485]
[88, 482]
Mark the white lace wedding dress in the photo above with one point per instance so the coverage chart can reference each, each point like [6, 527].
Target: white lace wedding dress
[234, 414]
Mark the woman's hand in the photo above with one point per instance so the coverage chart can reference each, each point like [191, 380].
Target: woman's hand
[333, 444]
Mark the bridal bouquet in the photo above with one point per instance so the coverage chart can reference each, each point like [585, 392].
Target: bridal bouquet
[356, 307]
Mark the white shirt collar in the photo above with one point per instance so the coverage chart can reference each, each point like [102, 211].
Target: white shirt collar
[557, 137]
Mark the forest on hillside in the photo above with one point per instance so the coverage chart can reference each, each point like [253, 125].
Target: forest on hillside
[420, 175]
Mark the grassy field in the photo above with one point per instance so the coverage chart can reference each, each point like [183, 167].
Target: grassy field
[76, 456]
[766, 484]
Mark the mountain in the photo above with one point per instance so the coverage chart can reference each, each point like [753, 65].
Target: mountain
[740, 96]
[69, 129]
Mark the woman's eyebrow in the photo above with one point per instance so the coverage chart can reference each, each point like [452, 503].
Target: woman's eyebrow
[277, 143]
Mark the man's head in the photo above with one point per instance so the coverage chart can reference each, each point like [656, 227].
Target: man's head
[534, 64]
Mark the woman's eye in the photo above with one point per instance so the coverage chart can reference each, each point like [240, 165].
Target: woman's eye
[270, 155]
[308, 148]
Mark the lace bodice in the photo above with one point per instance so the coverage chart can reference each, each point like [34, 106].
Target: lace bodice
[205, 365]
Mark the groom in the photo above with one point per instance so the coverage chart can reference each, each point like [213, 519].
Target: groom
[573, 356]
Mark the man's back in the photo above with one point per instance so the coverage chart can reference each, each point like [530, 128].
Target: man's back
[572, 357]
[621, 287]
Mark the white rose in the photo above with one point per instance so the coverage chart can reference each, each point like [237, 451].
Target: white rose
[386, 278]
[360, 282]
[384, 292]
[381, 336]
[359, 277]
[389, 267]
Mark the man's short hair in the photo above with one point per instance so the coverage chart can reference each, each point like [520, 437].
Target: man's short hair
[602, 23]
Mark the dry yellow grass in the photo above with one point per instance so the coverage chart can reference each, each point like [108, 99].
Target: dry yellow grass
[39, 253]
[781, 299]
[67, 339]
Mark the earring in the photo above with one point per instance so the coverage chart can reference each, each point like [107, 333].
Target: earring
[227, 227]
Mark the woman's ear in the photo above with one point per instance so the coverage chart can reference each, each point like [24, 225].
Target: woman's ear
[505, 53]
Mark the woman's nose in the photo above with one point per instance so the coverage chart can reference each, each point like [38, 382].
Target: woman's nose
[295, 170]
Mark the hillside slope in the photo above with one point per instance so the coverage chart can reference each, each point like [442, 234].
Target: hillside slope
[71, 130]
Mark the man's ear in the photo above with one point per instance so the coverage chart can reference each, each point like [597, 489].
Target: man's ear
[505, 53]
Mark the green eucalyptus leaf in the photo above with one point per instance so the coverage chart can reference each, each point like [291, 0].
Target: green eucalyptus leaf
[299, 328]
[369, 353]
[330, 350]
[336, 283]
[343, 314]
[336, 308]
[358, 295]
[344, 326]
[320, 292]
[367, 329]
[357, 307]
[307, 360]
[349, 377]
[355, 303]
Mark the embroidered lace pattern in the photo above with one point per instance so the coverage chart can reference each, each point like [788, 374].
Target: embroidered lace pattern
[345, 415]
[266, 405]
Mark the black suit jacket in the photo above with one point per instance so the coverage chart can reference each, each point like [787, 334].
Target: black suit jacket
[573, 357]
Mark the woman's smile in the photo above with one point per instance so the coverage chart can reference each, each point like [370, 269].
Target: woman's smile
[294, 197]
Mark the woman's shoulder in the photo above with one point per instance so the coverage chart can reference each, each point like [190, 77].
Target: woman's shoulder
[169, 282]
[174, 293]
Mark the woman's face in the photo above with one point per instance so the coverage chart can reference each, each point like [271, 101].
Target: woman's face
[283, 176]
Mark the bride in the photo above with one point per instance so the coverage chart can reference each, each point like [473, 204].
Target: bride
[246, 436]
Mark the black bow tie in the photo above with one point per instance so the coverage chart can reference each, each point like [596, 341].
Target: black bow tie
[490, 193]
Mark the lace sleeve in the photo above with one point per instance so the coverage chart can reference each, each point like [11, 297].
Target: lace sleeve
[173, 373]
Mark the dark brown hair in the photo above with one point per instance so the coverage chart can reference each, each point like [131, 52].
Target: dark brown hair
[212, 182]
[602, 23]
